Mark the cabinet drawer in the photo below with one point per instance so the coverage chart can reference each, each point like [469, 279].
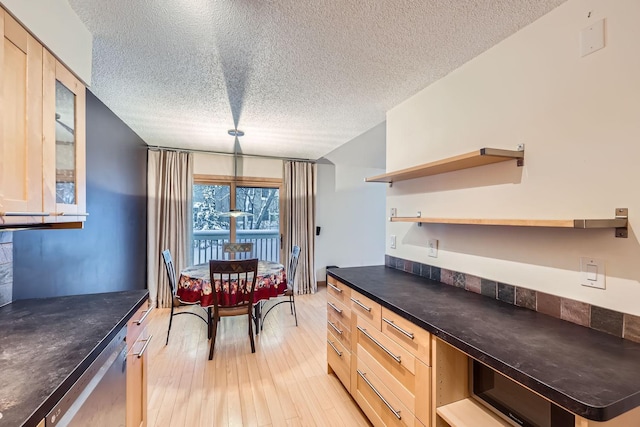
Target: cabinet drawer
[338, 290]
[340, 309]
[390, 354]
[410, 336]
[341, 331]
[381, 406]
[404, 391]
[138, 322]
[339, 360]
[366, 308]
[412, 390]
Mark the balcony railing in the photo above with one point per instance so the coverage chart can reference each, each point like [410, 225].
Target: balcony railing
[207, 244]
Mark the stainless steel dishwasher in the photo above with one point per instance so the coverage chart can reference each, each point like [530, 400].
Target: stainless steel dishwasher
[97, 399]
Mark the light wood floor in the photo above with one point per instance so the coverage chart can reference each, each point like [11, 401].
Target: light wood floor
[284, 383]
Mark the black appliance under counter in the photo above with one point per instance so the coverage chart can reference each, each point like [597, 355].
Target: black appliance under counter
[46, 345]
[590, 373]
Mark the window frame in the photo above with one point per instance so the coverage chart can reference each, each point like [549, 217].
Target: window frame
[243, 181]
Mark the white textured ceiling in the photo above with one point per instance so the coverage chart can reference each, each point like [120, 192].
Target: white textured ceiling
[299, 77]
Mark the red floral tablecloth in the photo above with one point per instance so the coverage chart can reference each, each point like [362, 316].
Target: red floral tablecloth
[195, 284]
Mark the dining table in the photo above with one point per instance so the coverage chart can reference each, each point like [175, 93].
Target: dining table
[194, 286]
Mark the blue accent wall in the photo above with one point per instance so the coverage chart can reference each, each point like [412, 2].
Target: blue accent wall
[109, 254]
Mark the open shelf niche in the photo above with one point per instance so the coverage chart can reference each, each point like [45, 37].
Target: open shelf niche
[469, 413]
[481, 157]
[450, 396]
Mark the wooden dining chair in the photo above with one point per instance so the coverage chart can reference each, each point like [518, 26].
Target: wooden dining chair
[233, 283]
[176, 301]
[288, 293]
[234, 248]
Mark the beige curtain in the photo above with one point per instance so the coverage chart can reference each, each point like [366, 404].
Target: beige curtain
[169, 189]
[299, 221]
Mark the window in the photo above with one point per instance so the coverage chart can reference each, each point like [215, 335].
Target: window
[263, 226]
[214, 196]
[210, 228]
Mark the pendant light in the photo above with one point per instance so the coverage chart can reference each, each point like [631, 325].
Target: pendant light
[236, 133]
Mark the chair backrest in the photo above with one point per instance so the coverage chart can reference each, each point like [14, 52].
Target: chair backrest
[171, 270]
[293, 266]
[235, 247]
[233, 282]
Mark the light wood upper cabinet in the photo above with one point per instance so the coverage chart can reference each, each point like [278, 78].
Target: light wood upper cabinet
[42, 133]
[64, 101]
[21, 123]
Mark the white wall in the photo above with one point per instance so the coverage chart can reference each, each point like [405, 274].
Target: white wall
[580, 120]
[58, 27]
[217, 164]
[350, 212]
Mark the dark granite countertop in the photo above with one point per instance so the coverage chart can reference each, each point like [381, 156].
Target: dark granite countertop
[590, 373]
[46, 344]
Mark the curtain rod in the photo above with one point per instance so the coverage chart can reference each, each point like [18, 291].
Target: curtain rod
[221, 153]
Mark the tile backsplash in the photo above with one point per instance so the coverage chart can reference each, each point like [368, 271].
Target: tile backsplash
[6, 267]
[602, 319]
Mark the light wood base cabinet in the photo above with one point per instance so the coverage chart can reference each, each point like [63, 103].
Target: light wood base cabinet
[339, 327]
[383, 364]
[401, 375]
[137, 362]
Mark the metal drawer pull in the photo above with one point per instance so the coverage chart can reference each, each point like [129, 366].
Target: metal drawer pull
[144, 347]
[335, 288]
[398, 328]
[396, 413]
[334, 327]
[334, 348]
[360, 304]
[144, 316]
[334, 307]
[364, 331]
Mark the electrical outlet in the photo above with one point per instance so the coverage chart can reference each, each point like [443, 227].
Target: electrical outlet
[394, 212]
[433, 248]
[392, 242]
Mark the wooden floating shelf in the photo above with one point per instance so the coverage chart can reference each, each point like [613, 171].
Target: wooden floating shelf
[481, 157]
[620, 222]
[469, 413]
[554, 223]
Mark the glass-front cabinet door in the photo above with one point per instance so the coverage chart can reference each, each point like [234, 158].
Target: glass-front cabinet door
[64, 143]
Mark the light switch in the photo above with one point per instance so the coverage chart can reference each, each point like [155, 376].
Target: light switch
[592, 273]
